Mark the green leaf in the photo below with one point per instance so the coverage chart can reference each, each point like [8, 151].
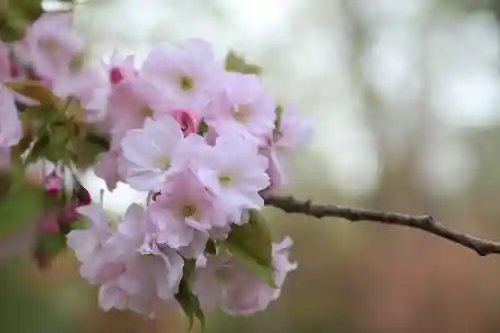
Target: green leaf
[35, 90]
[48, 247]
[236, 63]
[52, 244]
[251, 244]
[211, 247]
[187, 299]
[59, 135]
[82, 223]
[88, 149]
[99, 141]
[24, 203]
[37, 151]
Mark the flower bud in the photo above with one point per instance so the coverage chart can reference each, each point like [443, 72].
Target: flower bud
[187, 119]
[53, 184]
[115, 76]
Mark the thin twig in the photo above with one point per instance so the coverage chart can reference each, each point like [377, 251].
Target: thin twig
[423, 222]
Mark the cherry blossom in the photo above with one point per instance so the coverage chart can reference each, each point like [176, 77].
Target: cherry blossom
[225, 283]
[51, 47]
[148, 152]
[244, 108]
[235, 173]
[189, 76]
[204, 142]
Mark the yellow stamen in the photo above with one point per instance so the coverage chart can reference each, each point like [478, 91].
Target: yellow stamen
[240, 114]
[164, 162]
[147, 112]
[188, 211]
[186, 83]
[225, 180]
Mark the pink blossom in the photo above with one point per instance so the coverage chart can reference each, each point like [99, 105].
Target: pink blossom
[129, 105]
[245, 108]
[150, 277]
[235, 173]
[5, 63]
[148, 152]
[89, 244]
[90, 88]
[183, 214]
[10, 125]
[5, 158]
[133, 273]
[188, 76]
[50, 46]
[107, 168]
[191, 152]
[294, 130]
[95, 90]
[224, 282]
[10, 71]
[277, 175]
[120, 68]
[53, 184]
[114, 295]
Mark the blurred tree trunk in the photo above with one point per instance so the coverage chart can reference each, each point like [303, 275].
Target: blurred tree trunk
[399, 183]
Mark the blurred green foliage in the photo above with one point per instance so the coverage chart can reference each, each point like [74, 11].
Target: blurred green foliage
[15, 15]
[237, 63]
[20, 206]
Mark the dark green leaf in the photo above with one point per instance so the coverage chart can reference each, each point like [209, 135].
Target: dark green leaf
[251, 244]
[189, 302]
[211, 247]
[24, 143]
[86, 151]
[99, 141]
[236, 63]
[59, 135]
[38, 148]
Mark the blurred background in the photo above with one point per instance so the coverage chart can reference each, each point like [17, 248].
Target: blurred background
[406, 98]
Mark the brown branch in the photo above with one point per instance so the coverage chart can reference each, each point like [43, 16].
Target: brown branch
[426, 223]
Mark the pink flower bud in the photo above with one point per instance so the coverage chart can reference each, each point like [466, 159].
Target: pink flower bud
[115, 75]
[82, 196]
[53, 184]
[69, 214]
[187, 119]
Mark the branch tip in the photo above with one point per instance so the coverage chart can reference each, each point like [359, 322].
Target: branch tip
[425, 223]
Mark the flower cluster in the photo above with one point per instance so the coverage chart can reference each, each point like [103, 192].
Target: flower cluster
[204, 140]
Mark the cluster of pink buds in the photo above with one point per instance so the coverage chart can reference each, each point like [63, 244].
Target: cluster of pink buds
[62, 217]
[204, 139]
